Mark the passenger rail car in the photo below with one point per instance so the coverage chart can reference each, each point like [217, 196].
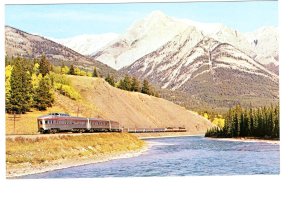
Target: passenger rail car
[60, 122]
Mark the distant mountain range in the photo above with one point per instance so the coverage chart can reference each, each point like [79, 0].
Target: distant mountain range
[210, 63]
[157, 29]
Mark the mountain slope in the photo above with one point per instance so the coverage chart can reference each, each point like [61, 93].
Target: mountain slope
[215, 72]
[264, 43]
[20, 43]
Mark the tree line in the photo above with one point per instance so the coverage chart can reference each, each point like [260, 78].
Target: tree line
[131, 83]
[262, 122]
[75, 71]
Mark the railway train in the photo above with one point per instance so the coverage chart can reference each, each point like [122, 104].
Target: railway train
[61, 122]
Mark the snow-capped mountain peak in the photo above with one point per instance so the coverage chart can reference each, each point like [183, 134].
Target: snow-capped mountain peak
[157, 15]
[141, 38]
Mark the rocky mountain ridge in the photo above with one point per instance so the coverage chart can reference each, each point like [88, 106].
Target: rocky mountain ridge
[20, 43]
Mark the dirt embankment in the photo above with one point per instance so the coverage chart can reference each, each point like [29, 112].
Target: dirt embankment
[134, 109]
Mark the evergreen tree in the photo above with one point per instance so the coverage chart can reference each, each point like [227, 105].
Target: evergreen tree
[72, 70]
[43, 97]
[125, 84]
[135, 85]
[111, 80]
[146, 87]
[95, 73]
[20, 98]
[44, 65]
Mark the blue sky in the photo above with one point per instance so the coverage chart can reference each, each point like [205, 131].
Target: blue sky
[67, 20]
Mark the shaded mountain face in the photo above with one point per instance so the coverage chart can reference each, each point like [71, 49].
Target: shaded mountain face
[20, 43]
[215, 72]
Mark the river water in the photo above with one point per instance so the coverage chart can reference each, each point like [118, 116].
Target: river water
[184, 156]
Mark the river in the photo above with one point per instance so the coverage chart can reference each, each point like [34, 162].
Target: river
[184, 156]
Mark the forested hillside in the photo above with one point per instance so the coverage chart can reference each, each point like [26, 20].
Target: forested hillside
[262, 122]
